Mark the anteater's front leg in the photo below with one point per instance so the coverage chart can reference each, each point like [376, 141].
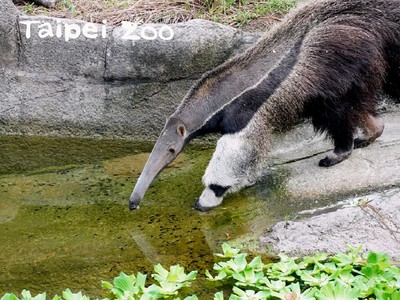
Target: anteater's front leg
[343, 148]
[232, 167]
[343, 133]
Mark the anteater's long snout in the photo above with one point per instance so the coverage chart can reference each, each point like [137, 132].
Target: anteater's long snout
[137, 194]
[168, 146]
[160, 157]
[149, 173]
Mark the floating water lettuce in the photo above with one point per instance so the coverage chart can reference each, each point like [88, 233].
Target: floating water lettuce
[345, 276]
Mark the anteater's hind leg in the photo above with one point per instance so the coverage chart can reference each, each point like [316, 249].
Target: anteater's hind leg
[372, 127]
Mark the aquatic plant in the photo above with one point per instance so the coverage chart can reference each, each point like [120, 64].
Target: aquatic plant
[344, 276]
[319, 277]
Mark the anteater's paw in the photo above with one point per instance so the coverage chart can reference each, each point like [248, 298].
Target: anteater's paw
[361, 143]
[327, 162]
[333, 159]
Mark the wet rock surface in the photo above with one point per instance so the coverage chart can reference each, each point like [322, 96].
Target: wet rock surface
[372, 222]
[369, 181]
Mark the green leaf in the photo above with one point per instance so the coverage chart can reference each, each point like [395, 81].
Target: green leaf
[9, 296]
[248, 277]
[293, 291]
[228, 251]
[365, 286]
[40, 297]
[313, 278]
[191, 276]
[249, 294]
[193, 297]
[219, 296]
[124, 284]
[221, 275]
[351, 258]
[395, 296]
[176, 274]
[239, 278]
[285, 268]
[240, 261]
[29, 296]
[337, 291]
[140, 282]
[372, 258]
[106, 285]
[68, 295]
[256, 264]
[155, 291]
[169, 288]
[346, 276]
[308, 294]
[26, 295]
[274, 285]
[162, 274]
[343, 277]
[381, 260]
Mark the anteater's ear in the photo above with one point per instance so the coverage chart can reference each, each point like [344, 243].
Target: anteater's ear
[181, 129]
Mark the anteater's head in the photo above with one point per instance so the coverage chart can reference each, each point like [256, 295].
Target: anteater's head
[169, 144]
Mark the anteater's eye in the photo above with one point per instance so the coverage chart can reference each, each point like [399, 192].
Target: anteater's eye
[171, 150]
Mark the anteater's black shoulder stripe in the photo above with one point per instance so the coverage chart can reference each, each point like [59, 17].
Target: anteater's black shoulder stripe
[236, 114]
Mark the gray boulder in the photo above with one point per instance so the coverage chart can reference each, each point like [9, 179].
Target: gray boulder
[81, 79]
[8, 34]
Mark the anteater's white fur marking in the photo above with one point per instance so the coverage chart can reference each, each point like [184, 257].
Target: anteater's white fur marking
[234, 164]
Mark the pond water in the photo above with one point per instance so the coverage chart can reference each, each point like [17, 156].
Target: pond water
[65, 222]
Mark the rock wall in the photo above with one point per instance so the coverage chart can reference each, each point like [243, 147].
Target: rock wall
[8, 34]
[68, 77]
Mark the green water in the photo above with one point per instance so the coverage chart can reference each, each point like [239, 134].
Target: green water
[65, 222]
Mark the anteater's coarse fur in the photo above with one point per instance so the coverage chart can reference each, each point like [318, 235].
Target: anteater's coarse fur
[327, 61]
